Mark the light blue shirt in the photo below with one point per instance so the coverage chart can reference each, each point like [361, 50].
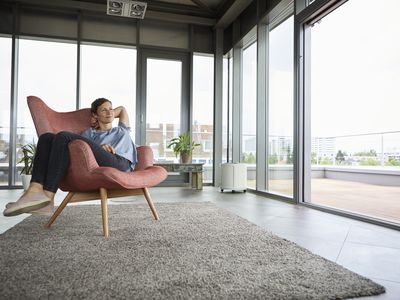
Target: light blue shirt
[118, 137]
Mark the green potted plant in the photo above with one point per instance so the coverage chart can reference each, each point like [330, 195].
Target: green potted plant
[183, 146]
[28, 155]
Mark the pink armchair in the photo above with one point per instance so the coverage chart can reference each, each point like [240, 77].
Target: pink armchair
[85, 179]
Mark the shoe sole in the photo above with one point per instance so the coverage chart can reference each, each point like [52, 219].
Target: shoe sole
[38, 212]
[25, 208]
[42, 213]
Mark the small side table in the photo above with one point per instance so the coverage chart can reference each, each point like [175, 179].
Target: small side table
[195, 169]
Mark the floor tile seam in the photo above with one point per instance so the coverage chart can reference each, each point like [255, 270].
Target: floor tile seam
[343, 243]
[387, 280]
[317, 239]
[373, 245]
[311, 221]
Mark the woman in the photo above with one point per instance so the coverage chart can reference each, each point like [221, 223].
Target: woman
[111, 146]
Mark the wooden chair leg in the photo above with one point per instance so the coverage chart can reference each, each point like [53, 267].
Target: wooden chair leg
[59, 209]
[103, 195]
[150, 202]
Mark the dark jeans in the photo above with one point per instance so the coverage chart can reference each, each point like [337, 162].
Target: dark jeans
[52, 158]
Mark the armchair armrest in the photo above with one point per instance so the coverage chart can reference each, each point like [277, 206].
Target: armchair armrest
[145, 157]
[81, 157]
[81, 167]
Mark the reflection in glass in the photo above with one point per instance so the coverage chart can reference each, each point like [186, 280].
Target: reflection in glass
[163, 106]
[46, 70]
[280, 110]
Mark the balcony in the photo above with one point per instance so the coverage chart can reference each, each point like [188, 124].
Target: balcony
[356, 173]
[372, 192]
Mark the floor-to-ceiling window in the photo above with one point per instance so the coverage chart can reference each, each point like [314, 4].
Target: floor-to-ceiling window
[249, 105]
[5, 88]
[46, 70]
[109, 72]
[280, 109]
[202, 126]
[354, 144]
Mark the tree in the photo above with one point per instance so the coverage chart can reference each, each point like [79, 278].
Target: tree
[325, 161]
[371, 152]
[289, 155]
[272, 159]
[369, 162]
[340, 157]
[313, 158]
[249, 158]
[393, 162]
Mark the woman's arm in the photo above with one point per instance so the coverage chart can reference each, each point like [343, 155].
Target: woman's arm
[121, 113]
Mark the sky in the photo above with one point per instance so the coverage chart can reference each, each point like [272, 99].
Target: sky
[355, 69]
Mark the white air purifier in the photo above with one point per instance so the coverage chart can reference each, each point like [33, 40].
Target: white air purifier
[233, 177]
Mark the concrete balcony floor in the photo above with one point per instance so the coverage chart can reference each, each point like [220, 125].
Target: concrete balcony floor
[372, 200]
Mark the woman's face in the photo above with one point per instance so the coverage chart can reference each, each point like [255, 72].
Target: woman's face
[105, 113]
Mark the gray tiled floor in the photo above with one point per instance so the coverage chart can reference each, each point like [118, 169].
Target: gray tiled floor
[367, 249]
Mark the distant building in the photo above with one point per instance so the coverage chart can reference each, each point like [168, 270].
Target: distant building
[323, 147]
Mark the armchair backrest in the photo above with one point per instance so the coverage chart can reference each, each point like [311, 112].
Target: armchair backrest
[48, 120]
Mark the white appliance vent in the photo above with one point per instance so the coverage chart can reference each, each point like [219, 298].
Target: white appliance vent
[126, 8]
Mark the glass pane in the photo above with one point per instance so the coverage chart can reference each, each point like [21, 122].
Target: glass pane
[203, 112]
[5, 85]
[280, 109]
[109, 72]
[249, 116]
[163, 106]
[46, 70]
[355, 91]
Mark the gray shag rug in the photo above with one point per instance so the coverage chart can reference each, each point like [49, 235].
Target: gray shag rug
[195, 251]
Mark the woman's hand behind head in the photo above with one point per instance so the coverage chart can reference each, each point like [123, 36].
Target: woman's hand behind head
[94, 123]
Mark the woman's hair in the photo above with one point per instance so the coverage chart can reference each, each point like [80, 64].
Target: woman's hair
[96, 103]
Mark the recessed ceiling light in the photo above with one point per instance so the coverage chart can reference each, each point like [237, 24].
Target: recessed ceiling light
[126, 8]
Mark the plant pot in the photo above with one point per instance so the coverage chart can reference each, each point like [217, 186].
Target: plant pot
[186, 158]
[26, 181]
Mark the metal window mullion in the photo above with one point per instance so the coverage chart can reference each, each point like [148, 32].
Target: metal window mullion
[301, 133]
[12, 162]
[228, 144]
[12, 167]
[218, 109]
[78, 62]
[140, 129]
[237, 104]
[262, 117]
[267, 107]
[142, 68]
[305, 109]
